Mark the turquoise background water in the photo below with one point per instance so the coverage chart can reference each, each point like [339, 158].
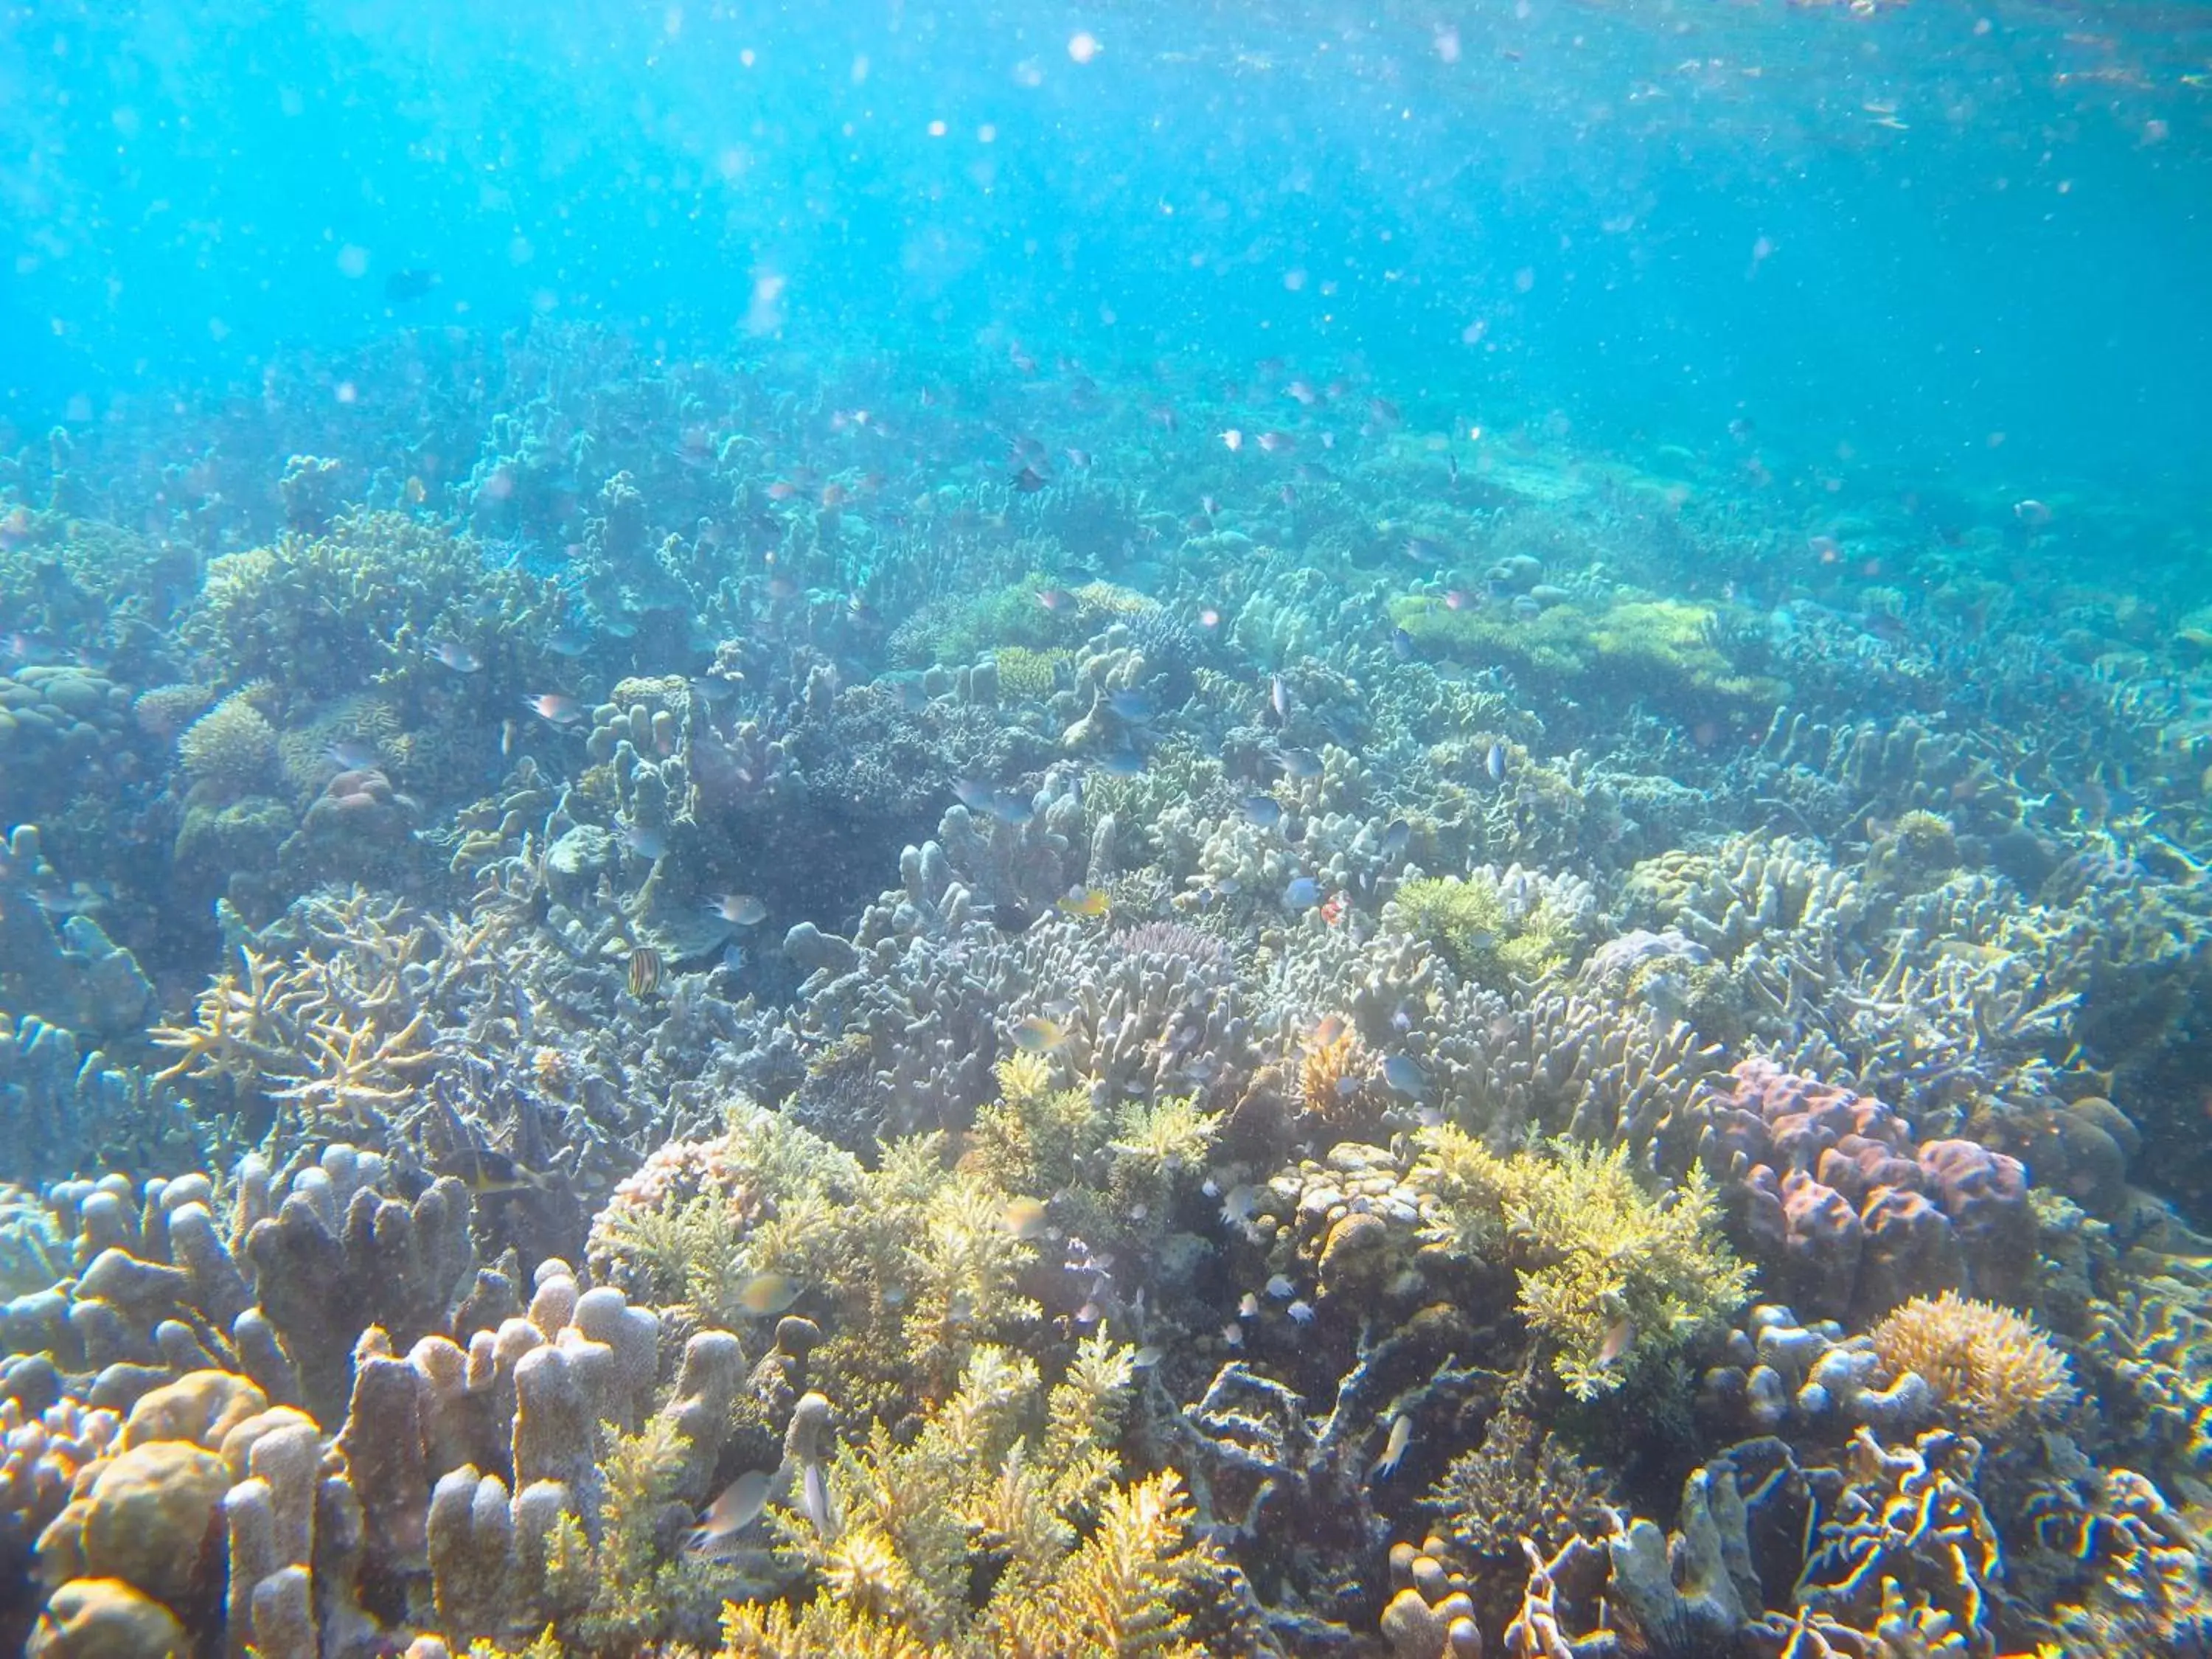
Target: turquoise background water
[1965, 246]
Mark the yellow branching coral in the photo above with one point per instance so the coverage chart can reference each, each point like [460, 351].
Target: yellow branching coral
[1607, 1272]
[1024, 673]
[1988, 1366]
[1331, 1075]
[1472, 926]
[1034, 1138]
[1085, 1567]
[231, 748]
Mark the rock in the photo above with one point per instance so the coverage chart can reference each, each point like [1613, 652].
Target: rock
[105, 1619]
[151, 1517]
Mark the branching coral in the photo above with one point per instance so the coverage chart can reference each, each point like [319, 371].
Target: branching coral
[1080, 1567]
[1990, 1368]
[1483, 938]
[1608, 1275]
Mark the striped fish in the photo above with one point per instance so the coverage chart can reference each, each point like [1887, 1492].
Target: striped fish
[644, 971]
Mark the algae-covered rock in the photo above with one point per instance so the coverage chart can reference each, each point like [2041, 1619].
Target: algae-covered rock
[105, 1619]
[153, 1517]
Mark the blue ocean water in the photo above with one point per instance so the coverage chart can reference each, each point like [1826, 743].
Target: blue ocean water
[1260, 828]
[1964, 244]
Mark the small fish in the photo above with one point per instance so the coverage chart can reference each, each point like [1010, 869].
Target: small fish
[814, 1499]
[413, 283]
[649, 844]
[974, 795]
[1056, 598]
[1278, 695]
[569, 642]
[1281, 1288]
[1248, 1306]
[1084, 901]
[1401, 1436]
[1402, 645]
[1301, 1313]
[1146, 1356]
[1010, 808]
[2032, 513]
[1395, 834]
[1232, 1334]
[1265, 811]
[1425, 549]
[740, 1506]
[1131, 705]
[1025, 1217]
[1278, 443]
[1494, 763]
[1232, 439]
[1300, 762]
[1122, 763]
[1457, 599]
[456, 656]
[644, 972]
[1303, 894]
[554, 708]
[1078, 458]
[1238, 1203]
[1038, 1036]
[1405, 1076]
[1620, 1338]
[352, 755]
[1029, 481]
[739, 909]
[767, 1294]
[1327, 1031]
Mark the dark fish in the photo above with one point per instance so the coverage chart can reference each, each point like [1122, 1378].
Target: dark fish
[1395, 834]
[1029, 481]
[1265, 811]
[644, 971]
[412, 283]
[1402, 645]
[1303, 894]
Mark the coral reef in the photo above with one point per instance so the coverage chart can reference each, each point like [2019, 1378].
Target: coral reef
[651, 1021]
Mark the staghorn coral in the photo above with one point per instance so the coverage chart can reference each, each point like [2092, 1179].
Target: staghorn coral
[1989, 1368]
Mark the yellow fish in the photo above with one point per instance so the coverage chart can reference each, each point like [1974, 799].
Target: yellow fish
[768, 1293]
[644, 971]
[1025, 1217]
[1038, 1036]
[1085, 902]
